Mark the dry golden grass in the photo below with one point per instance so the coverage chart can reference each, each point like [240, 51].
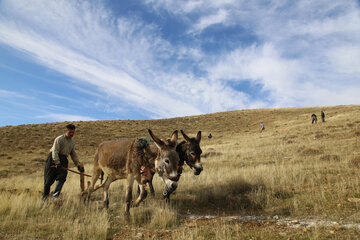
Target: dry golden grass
[293, 169]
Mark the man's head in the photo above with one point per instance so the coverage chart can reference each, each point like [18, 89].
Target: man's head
[70, 130]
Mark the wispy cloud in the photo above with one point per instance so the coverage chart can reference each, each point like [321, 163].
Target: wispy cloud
[217, 18]
[5, 94]
[298, 52]
[113, 55]
[65, 117]
[304, 51]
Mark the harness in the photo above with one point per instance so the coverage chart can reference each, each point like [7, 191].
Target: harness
[139, 153]
[141, 144]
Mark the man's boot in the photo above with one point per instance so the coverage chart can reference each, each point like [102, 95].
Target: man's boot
[57, 190]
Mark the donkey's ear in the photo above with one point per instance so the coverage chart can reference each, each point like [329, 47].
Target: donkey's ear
[174, 136]
[185, 136]
[157, 140]
[198, 137]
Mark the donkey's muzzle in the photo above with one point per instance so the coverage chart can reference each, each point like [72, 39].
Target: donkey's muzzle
[174, 178]
[197, 168]
[171, 186]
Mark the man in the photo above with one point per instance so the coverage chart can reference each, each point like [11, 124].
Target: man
[262, 125]
[57, 161]
[313, 118]
[322, 116]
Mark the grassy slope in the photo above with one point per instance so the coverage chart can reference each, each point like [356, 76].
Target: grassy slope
[292, 169]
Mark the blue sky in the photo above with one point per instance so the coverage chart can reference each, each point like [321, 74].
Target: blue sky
[101, 60]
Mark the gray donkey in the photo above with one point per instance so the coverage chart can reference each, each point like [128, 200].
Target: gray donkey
[189, 152]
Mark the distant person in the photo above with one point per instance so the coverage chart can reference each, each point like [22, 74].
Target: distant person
[262, 127]
[57, 161]
[313, 118]
[210, 136]
[322, 116]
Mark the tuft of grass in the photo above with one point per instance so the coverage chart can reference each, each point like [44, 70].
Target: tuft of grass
[355, 162]
[22, 215]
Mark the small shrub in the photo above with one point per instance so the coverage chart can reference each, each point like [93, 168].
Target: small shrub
[283, 194]
[210, 154]
[311, 151]
[355, 162]
[330, 158]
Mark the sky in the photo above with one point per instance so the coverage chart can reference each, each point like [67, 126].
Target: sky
[85, 60]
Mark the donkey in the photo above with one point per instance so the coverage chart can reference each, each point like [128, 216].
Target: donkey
[189, 152]
[118, 161]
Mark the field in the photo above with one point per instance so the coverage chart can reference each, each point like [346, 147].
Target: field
[295, 180]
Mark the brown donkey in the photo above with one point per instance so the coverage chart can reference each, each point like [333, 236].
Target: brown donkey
[118, 161]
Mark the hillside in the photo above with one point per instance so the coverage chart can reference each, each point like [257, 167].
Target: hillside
[293, 169]
[24, 148]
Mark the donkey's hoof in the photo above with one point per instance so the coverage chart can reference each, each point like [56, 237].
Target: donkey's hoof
[127, 216]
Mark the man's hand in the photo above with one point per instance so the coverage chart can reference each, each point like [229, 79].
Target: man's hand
[57, 166]
[80, 168]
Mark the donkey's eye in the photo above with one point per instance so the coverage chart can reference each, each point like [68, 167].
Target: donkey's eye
[167, 161]
[192, 153]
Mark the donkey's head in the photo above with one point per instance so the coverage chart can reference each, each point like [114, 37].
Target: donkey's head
[193, 152]
[167, 160]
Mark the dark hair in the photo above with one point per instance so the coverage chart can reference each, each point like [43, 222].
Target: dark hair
[70, 126]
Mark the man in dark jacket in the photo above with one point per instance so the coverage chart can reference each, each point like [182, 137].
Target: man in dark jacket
[322, 116]
[57, 161]
[313, 118]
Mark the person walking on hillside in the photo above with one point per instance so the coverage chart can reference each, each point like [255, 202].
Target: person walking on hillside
[313, 118]
[322, 116]
[262, 125]
[57, 161]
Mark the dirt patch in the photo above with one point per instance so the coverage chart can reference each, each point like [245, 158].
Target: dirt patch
[288, 222]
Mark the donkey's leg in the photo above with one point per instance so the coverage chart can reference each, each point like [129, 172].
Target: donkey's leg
[152, 191]
[166, 195]
[142, 196]
[106, 191]
[138, 190]
[128, 193]
[94, 178]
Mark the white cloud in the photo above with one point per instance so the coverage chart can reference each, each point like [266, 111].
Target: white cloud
[65, 117]
[346, 59]
[116, 56]
[206, 21]
[261, 65]
[5, 94]
[303, 51]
